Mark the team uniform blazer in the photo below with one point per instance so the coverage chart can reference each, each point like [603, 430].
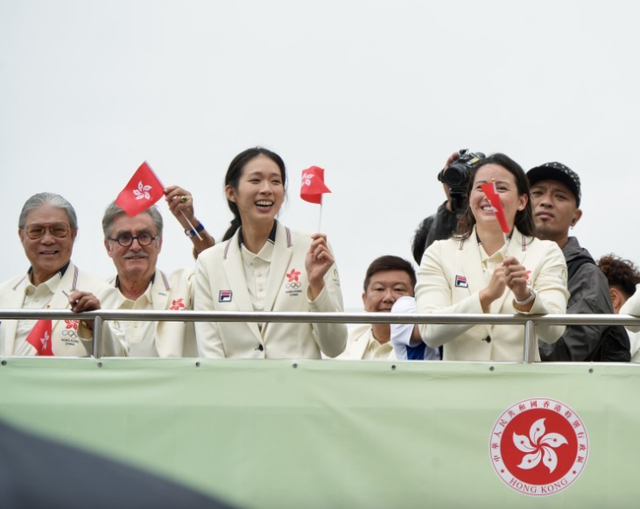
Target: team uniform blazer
[169, 293]
[632, 307]
[69, 338]
[221, 286]
[450, 279]
[360, 338]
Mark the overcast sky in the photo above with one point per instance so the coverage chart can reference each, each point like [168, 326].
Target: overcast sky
[378, 93]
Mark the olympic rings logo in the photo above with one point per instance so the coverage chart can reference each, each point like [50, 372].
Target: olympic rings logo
[293, 285]
[69, 334]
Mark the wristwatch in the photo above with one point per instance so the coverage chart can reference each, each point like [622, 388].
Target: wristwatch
[193, 233]
[527, 300]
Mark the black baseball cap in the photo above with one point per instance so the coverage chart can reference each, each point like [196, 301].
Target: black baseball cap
[559, 172]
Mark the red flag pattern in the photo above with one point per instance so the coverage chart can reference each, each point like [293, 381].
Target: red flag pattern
[313, 186]
[142, 191]
[40, 337]
[493, 197]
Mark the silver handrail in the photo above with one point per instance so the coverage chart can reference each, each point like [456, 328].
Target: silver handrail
[528, 321]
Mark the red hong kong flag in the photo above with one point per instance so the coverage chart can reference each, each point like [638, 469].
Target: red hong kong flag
[492, 195]
[142, 191]
[40, 337]
[313, 186]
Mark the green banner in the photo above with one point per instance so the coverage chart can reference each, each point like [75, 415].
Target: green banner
[331, 434]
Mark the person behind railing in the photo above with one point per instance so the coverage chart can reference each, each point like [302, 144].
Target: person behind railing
[264, 266]
[556, 194]
[387, 280]
[134, 244]
[443, 224]
[623, 278]
[477, 271]
[47, 228]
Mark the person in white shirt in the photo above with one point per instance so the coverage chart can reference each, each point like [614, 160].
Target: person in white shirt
[480, 270]
[134, 244]
[388, 279]
[47, 227]
[262, 265]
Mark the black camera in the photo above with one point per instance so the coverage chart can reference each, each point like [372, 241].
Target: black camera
[457, 177]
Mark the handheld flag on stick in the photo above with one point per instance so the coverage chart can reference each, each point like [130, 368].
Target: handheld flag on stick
[142, 191]
[40, 337]
[313, 187]
[492, 195]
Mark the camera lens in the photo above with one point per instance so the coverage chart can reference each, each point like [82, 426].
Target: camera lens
[455, 175]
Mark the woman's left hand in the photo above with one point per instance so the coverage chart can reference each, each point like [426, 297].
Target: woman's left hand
[319, 260]
[516, 277]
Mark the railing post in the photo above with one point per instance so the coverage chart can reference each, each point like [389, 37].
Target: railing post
[97, 337]
[530, 343]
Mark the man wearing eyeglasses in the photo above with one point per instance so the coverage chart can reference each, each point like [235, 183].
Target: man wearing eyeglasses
[134, 243]
[47, 228]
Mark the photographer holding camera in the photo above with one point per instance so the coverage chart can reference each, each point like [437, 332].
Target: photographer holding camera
[440, 226]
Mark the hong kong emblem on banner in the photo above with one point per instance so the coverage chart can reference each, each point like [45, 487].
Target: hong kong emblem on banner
[539, 446]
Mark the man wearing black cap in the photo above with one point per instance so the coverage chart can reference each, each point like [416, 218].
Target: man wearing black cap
[556, 194]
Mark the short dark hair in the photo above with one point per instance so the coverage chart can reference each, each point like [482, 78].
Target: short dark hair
[622, 274]
[389, 262]
[524, 218]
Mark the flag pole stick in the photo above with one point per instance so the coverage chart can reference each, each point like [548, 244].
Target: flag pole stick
[192, 227]
[320, 218]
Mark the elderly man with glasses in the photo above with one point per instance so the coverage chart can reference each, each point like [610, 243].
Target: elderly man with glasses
[47, 228]
[134, 243]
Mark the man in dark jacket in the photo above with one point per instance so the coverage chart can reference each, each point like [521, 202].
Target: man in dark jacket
[556, 194]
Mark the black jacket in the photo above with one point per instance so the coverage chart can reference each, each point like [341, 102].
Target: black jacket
[439, 226]
[589, 294]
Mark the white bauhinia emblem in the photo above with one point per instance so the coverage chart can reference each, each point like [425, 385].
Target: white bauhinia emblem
[142, 193]
[306, 179]
[539, 447]
[44, 340]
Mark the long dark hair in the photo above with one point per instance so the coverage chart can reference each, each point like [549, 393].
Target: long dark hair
[232, 178]
[524, 218]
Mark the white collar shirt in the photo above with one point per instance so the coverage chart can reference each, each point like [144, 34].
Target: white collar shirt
[35, 297]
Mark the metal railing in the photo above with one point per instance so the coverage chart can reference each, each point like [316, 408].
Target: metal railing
[528, 321]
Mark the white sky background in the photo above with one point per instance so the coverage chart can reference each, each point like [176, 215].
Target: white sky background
[379, 93]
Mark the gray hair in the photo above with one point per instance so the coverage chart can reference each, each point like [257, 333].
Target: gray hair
[114, 211]
[55, 200]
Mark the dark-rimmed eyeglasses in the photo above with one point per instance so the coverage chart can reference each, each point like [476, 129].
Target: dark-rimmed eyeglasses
[58, 230]
[126, 239]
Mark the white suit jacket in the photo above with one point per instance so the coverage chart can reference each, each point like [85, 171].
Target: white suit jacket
[632, 307]
[221, 286]
[360, 338]
[450, 279]
[77, 340]
[169, 293]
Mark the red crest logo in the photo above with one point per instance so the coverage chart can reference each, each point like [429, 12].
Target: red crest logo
[71, 324]
[293, 275]
[539, 446]
[177, 305]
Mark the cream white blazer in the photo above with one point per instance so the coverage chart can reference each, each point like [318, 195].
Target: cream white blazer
[359, 339]
[173, 292]
[68, 339]
[450, 279]
[220, 285]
